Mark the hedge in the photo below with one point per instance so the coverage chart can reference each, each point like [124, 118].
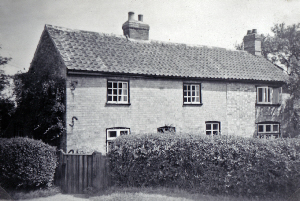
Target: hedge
[218, 165]
[26, 163]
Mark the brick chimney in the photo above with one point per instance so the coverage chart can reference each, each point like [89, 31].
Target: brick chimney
[252, 42]
[136, 29]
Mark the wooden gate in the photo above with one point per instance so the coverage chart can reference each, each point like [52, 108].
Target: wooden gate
[76, 173]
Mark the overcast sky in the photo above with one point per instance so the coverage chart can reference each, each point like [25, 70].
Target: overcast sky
[220, 23]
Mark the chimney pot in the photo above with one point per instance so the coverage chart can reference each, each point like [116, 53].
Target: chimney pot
[141, 18]
[254, 31]
[249, 32]
[130, 16]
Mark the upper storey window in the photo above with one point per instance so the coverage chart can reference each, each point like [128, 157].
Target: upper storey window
[117, 92]
[268, 95]
[191, 94]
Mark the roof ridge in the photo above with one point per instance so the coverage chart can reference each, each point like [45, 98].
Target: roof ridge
[145, 41]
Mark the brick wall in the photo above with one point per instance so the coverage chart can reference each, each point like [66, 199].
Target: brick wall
[141, 34]
[155, 103]
[272, 113]
[241, 100]
[47, 58]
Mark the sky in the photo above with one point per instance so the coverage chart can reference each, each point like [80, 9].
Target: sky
[218, 23]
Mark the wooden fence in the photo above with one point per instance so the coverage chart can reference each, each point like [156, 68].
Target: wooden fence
[76, 173]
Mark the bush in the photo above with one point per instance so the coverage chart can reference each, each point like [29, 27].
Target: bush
[219, 165]
[26, 163]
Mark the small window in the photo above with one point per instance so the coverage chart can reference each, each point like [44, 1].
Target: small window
[268, 129]
[268, 95]
[212, 128]
[166, 129]
[117, 92]
[113, 133]
[191, 93]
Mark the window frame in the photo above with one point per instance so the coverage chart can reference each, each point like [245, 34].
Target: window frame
[118, 133]
[118, 81]
[190, 84]
[212, 129]
[270, 133]
[268, 96]
[166, 128]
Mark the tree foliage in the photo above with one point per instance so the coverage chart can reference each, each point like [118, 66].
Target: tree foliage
[284, 48]
[40, 98]
[6, 104]
[3, 77]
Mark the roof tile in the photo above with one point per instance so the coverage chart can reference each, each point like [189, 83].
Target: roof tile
[91, 51]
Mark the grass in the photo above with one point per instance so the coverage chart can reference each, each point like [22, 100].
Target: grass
[164, 194]
[131, 193]
[21, 195]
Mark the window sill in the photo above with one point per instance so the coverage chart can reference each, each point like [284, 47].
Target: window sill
[192, 105]
[268, 104]
[117, 104]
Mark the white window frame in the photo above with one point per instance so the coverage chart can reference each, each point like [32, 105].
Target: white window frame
[118, 131]
[267, 93]
[191, 95]
[212, 129]
[270, 95]
[269, 133]
[121, 93]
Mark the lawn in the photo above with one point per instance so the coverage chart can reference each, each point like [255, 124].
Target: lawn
[129, 194]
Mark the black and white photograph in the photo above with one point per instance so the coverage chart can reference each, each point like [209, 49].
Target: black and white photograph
[150, 100]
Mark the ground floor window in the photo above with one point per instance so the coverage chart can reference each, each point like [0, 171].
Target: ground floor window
[212, 127]
[166, 128]
[113, 133]
[268, 129]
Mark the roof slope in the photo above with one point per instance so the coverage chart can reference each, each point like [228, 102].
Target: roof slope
[91, 51]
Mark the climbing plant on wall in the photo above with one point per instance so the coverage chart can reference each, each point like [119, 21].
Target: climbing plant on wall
[40, 98]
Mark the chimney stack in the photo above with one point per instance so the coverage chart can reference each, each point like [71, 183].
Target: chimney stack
[136, 29]
[252, 42]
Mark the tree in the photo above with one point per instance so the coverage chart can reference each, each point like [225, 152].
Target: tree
[6, 104]
[283, 49]
[40, 98]
[3, 77]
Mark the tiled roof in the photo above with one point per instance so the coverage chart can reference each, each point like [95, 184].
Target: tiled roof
[98, 52]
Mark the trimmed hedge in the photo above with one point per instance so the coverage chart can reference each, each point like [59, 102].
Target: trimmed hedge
[26, 163]
[219, 165]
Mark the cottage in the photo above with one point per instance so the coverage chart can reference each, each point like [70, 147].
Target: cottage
[119, 85]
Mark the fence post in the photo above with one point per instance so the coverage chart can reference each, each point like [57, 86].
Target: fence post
[96, 179]
[106, 170]
[58, 171]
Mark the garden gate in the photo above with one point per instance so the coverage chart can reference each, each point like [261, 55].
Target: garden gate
[77, 173]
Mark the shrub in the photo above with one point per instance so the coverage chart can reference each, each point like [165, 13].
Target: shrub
[26, 163]
[219, 165]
